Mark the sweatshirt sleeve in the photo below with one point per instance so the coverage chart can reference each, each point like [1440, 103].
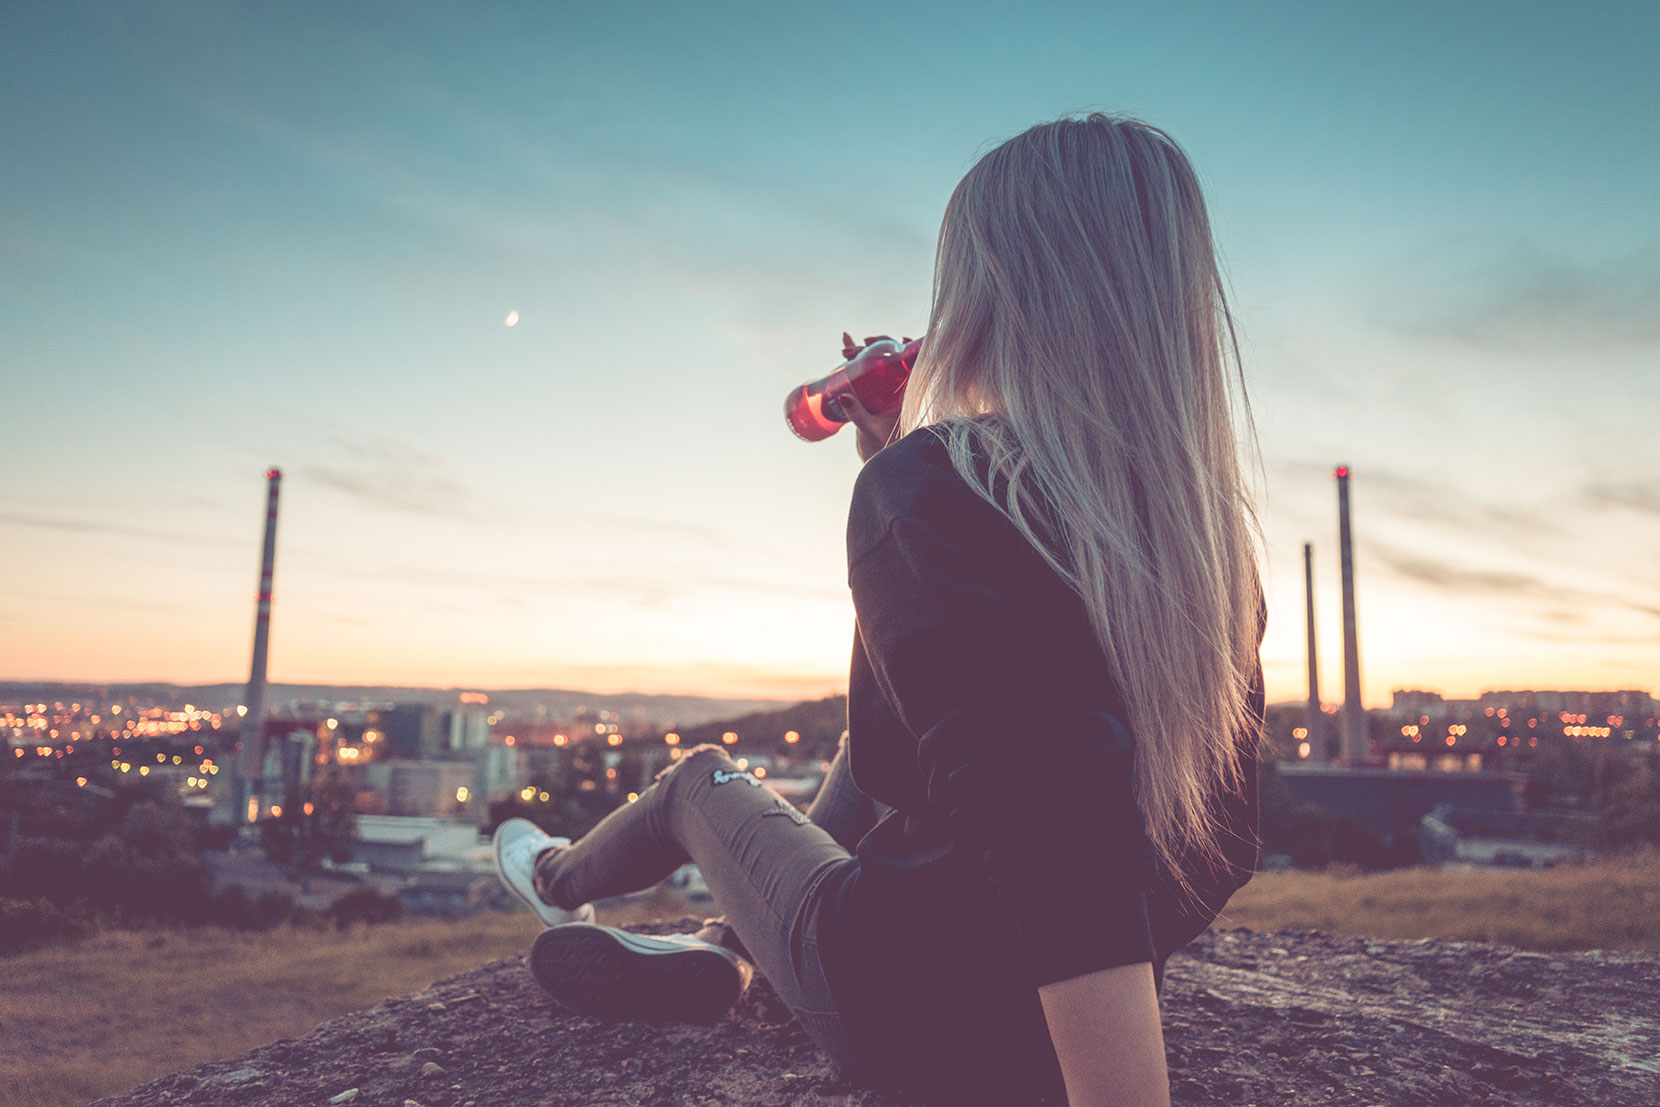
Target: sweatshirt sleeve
[986, 657]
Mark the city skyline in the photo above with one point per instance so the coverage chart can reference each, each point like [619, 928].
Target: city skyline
[237, 238]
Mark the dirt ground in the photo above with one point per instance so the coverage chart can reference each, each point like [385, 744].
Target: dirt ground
[1250, 1018]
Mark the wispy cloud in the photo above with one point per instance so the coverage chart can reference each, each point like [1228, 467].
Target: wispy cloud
[638, 589]
[98, 601]
[1602, 638]
[101, 526]
[1519, 296]
[392, 476]
[1467, 581]
[692, 678]
[1453, 578]
[674, 528]
[558, 185]
[1404, 497]
[1643, 497]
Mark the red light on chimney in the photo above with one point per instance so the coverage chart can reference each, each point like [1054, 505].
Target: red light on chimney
[1340, 471]
[273, 473]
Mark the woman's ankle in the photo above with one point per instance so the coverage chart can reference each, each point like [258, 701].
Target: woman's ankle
[543, 877]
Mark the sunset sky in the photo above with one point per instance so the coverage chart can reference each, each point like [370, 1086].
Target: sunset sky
[242, 235]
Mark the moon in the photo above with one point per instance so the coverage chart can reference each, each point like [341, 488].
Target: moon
[512, 319]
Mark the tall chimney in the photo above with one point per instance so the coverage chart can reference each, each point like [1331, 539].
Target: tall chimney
[1357, 746]
[251, 764]
[1318, 749]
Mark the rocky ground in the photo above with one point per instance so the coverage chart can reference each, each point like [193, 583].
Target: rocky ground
[1276, 1018]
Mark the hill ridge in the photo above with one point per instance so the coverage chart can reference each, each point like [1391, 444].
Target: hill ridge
[1250, 1018]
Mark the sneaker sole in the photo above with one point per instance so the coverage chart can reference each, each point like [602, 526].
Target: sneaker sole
[597, 971]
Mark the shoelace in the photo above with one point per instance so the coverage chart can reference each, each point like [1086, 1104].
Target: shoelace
[524, 852]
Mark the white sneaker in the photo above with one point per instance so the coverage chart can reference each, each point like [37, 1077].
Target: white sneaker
[518, 843]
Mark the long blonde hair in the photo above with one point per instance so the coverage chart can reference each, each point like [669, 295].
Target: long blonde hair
[1080, 343]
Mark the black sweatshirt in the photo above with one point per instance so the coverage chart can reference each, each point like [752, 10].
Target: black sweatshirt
[981, 708]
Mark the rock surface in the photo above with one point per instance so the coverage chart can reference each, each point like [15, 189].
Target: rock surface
[1276, 1018]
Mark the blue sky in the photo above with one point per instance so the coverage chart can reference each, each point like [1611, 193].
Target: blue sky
[236, 235]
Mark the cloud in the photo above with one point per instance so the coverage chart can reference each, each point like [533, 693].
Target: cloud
[392, 476]
[1520, 296]
[1403, 497]
[763, 244]
[638, 589]
[1631, 495]
[99, 526]
[692, 678]
[673, 528]
[102, 602]
[1581, 638]
[1465, 581]
[1451, 578]
[664, 588]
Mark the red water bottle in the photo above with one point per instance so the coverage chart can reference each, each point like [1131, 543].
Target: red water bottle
[875, 372]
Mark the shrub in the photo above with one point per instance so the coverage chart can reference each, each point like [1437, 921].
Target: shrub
[1631, 817]
[1315, 838]
[274, 908]
[31, 923]
[147, 869]
[234, 908]
[364, 905]
[46, 867]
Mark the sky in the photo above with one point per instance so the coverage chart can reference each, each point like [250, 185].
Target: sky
[237, 235]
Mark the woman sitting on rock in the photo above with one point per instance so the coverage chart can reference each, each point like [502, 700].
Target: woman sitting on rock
[1048, 782]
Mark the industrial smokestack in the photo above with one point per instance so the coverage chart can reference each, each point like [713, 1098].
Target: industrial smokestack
[1357, 746]
[251, 764]
[1318, 749]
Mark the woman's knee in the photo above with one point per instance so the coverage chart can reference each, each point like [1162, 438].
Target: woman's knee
[698, 763]
[705, 754]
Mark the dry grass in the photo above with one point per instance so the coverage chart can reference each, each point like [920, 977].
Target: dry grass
[1614, 904]
[119, 1009]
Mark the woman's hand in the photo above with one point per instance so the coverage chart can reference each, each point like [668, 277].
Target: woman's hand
[1106, 1033]
[875, 431]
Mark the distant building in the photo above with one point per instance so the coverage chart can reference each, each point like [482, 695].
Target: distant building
[391, 843]
[453, 893]
[469, 728]
[1626, 702]
[1390, 802]
[1408, 701]
[1503, 839]
[496, 770]
[413, 731]
[688, 881]
[289, 761]
[444, 865]
[422, 788]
